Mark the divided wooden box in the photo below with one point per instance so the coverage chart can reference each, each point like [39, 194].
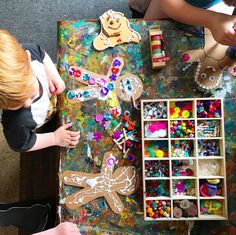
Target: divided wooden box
[183, 155]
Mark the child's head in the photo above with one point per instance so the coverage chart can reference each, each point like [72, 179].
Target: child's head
[230, 2]
[17, 81]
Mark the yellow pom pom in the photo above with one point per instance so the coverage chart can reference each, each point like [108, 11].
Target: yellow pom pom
[159, 153]
[177, 109]
[185, 114]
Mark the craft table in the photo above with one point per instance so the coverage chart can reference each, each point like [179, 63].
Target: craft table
[75, 47]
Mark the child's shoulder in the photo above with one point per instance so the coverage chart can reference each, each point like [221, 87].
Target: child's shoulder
[37, 53]
[22, 116]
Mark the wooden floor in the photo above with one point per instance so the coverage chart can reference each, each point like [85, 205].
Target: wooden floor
[39, 175]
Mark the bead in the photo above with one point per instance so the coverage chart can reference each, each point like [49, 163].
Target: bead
[85, 94]
[86, 77]
[186, 57]
[107, 116]
[110, 86]
[71, 71]
[114, 123]
[77, 73]
[116, 63]
[91, 81]
[99, 117]
[113, 77]
[104, 90]
[111, 161]
[101, 82]
[115, 70]
[71, 95]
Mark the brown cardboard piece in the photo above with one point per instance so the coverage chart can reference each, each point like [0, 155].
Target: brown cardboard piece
[109, 183]
[212, 60]
[115, 29]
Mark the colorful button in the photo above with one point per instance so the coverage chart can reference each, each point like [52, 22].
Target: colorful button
[110, 86]
[99, 117]
[104, 91]
[71, 95]
[116, 63]
[91, 81]
[86, 77]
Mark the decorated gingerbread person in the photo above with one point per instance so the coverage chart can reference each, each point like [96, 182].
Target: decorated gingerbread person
[108, 183]
[115, 29]
[211, 62]
[108, 88]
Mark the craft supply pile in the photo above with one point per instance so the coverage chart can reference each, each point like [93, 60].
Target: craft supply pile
[183, 159]
[181, 140]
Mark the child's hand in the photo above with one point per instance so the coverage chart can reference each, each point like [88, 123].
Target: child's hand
[56, 85]
[65, 228]
[223, 29]
[66, 138]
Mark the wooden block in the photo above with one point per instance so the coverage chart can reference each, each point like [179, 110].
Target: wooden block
[158, 59]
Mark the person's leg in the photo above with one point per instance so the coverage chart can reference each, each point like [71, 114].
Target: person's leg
[136, 14]
[31, 218]
[139, 5]
[154, 11]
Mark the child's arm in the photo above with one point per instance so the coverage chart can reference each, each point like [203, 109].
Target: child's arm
[61, 137]
[56, 84]
[221, 25]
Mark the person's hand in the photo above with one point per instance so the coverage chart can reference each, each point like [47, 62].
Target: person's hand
[66, 138]
[56, 85]
[65, 228]
[223, 28]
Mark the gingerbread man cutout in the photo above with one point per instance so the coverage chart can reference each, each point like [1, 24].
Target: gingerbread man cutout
[115, 29]
[124, 180]
[211, 60]
[107, 88]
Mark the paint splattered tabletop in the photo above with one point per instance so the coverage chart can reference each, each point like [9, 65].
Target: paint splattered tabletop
[75, 47]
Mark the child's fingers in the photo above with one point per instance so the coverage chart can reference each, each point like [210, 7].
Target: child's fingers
[52, 87]
[231, 37]
[74, 133]
[68, 125]
[76, 138]
[73, 143]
